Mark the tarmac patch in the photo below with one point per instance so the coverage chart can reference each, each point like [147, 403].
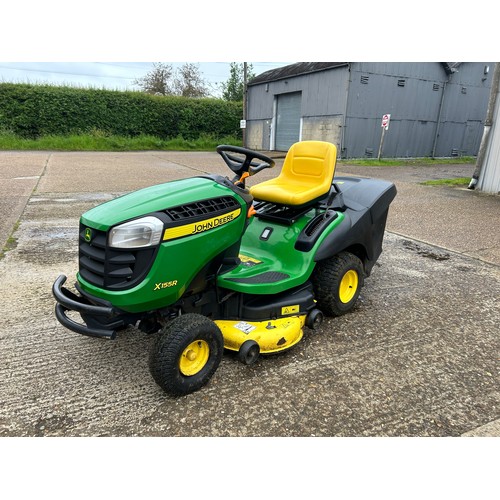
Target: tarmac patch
[425, 252]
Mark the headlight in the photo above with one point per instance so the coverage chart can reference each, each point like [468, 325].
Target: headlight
[145, 232]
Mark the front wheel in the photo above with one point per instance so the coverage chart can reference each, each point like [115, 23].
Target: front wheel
[186, 354]
[337, 282]
[249, 352]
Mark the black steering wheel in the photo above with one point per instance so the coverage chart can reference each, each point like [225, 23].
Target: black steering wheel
[243, 164]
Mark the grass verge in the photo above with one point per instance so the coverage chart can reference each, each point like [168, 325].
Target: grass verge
[11, 242]
[99, 141]
[459, 181]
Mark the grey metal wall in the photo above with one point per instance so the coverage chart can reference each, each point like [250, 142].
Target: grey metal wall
[464, 110]
[403, 90]
[431, 112]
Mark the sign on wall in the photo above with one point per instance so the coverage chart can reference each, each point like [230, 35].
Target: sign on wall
[385, 121]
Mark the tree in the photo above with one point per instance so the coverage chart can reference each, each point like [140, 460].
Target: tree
[232, 89]
[187, 81]
[158, 81]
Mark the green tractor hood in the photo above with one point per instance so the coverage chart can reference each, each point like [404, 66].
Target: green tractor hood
[203, 223]
[151, 199]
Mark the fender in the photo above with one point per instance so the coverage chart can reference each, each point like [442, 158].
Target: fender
[366, 207]
[353, 230]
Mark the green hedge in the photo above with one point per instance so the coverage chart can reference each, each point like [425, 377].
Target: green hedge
[32, 111]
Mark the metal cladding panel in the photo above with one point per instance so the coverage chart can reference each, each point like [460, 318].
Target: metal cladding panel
[463, 103]
[326, 93]
[418, 70]
[490, 175]
[410, 138]
[403, 98]
[363, 137]
[413, 138]
[489, 179]
[459, 139]
[323, 93]
[259, 103]
[413, 94]
[413, 104]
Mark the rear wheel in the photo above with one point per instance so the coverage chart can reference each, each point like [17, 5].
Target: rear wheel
[337, 282]
[186, 354]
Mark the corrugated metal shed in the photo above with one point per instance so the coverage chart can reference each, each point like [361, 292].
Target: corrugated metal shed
[437, 109]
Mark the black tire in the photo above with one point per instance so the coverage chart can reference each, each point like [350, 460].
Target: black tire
[186, 354]
[335, 296]
[249, 352]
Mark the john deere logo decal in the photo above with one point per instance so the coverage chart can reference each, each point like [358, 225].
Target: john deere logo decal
[88, 235]
[202, 226]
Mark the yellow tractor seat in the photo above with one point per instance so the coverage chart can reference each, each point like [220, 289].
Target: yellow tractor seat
[307, 174]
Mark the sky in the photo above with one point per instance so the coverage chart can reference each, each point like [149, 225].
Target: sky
[112, 75]
[108, 44]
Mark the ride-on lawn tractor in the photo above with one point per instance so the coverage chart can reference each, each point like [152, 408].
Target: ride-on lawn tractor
[208, 265]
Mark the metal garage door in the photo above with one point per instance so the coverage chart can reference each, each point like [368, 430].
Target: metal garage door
[287, 120]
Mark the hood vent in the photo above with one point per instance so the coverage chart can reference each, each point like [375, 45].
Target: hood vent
[201, 209]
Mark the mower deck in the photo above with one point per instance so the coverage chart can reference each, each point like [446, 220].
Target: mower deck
[271, 335]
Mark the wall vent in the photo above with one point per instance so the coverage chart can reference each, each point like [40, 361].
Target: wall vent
[369, 152]
[463, 90]
[364, 78]
[401, 83]
[436, 87]
[454, 152]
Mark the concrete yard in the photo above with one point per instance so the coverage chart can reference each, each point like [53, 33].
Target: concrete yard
[419, 355]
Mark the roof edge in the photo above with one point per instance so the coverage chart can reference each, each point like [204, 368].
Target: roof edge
[293, 70]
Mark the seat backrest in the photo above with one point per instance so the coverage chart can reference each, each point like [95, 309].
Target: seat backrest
[306, 175]
[311, 163]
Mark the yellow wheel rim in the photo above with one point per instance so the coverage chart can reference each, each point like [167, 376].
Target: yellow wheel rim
[348, 286]
[194, 358]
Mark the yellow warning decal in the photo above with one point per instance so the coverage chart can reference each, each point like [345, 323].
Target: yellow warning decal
[290, 310]
[246, 258]
[172, 233]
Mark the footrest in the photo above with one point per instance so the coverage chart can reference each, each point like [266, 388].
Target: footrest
[268, 277]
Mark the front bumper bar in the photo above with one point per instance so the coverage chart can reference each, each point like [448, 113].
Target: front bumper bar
[68, 301]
